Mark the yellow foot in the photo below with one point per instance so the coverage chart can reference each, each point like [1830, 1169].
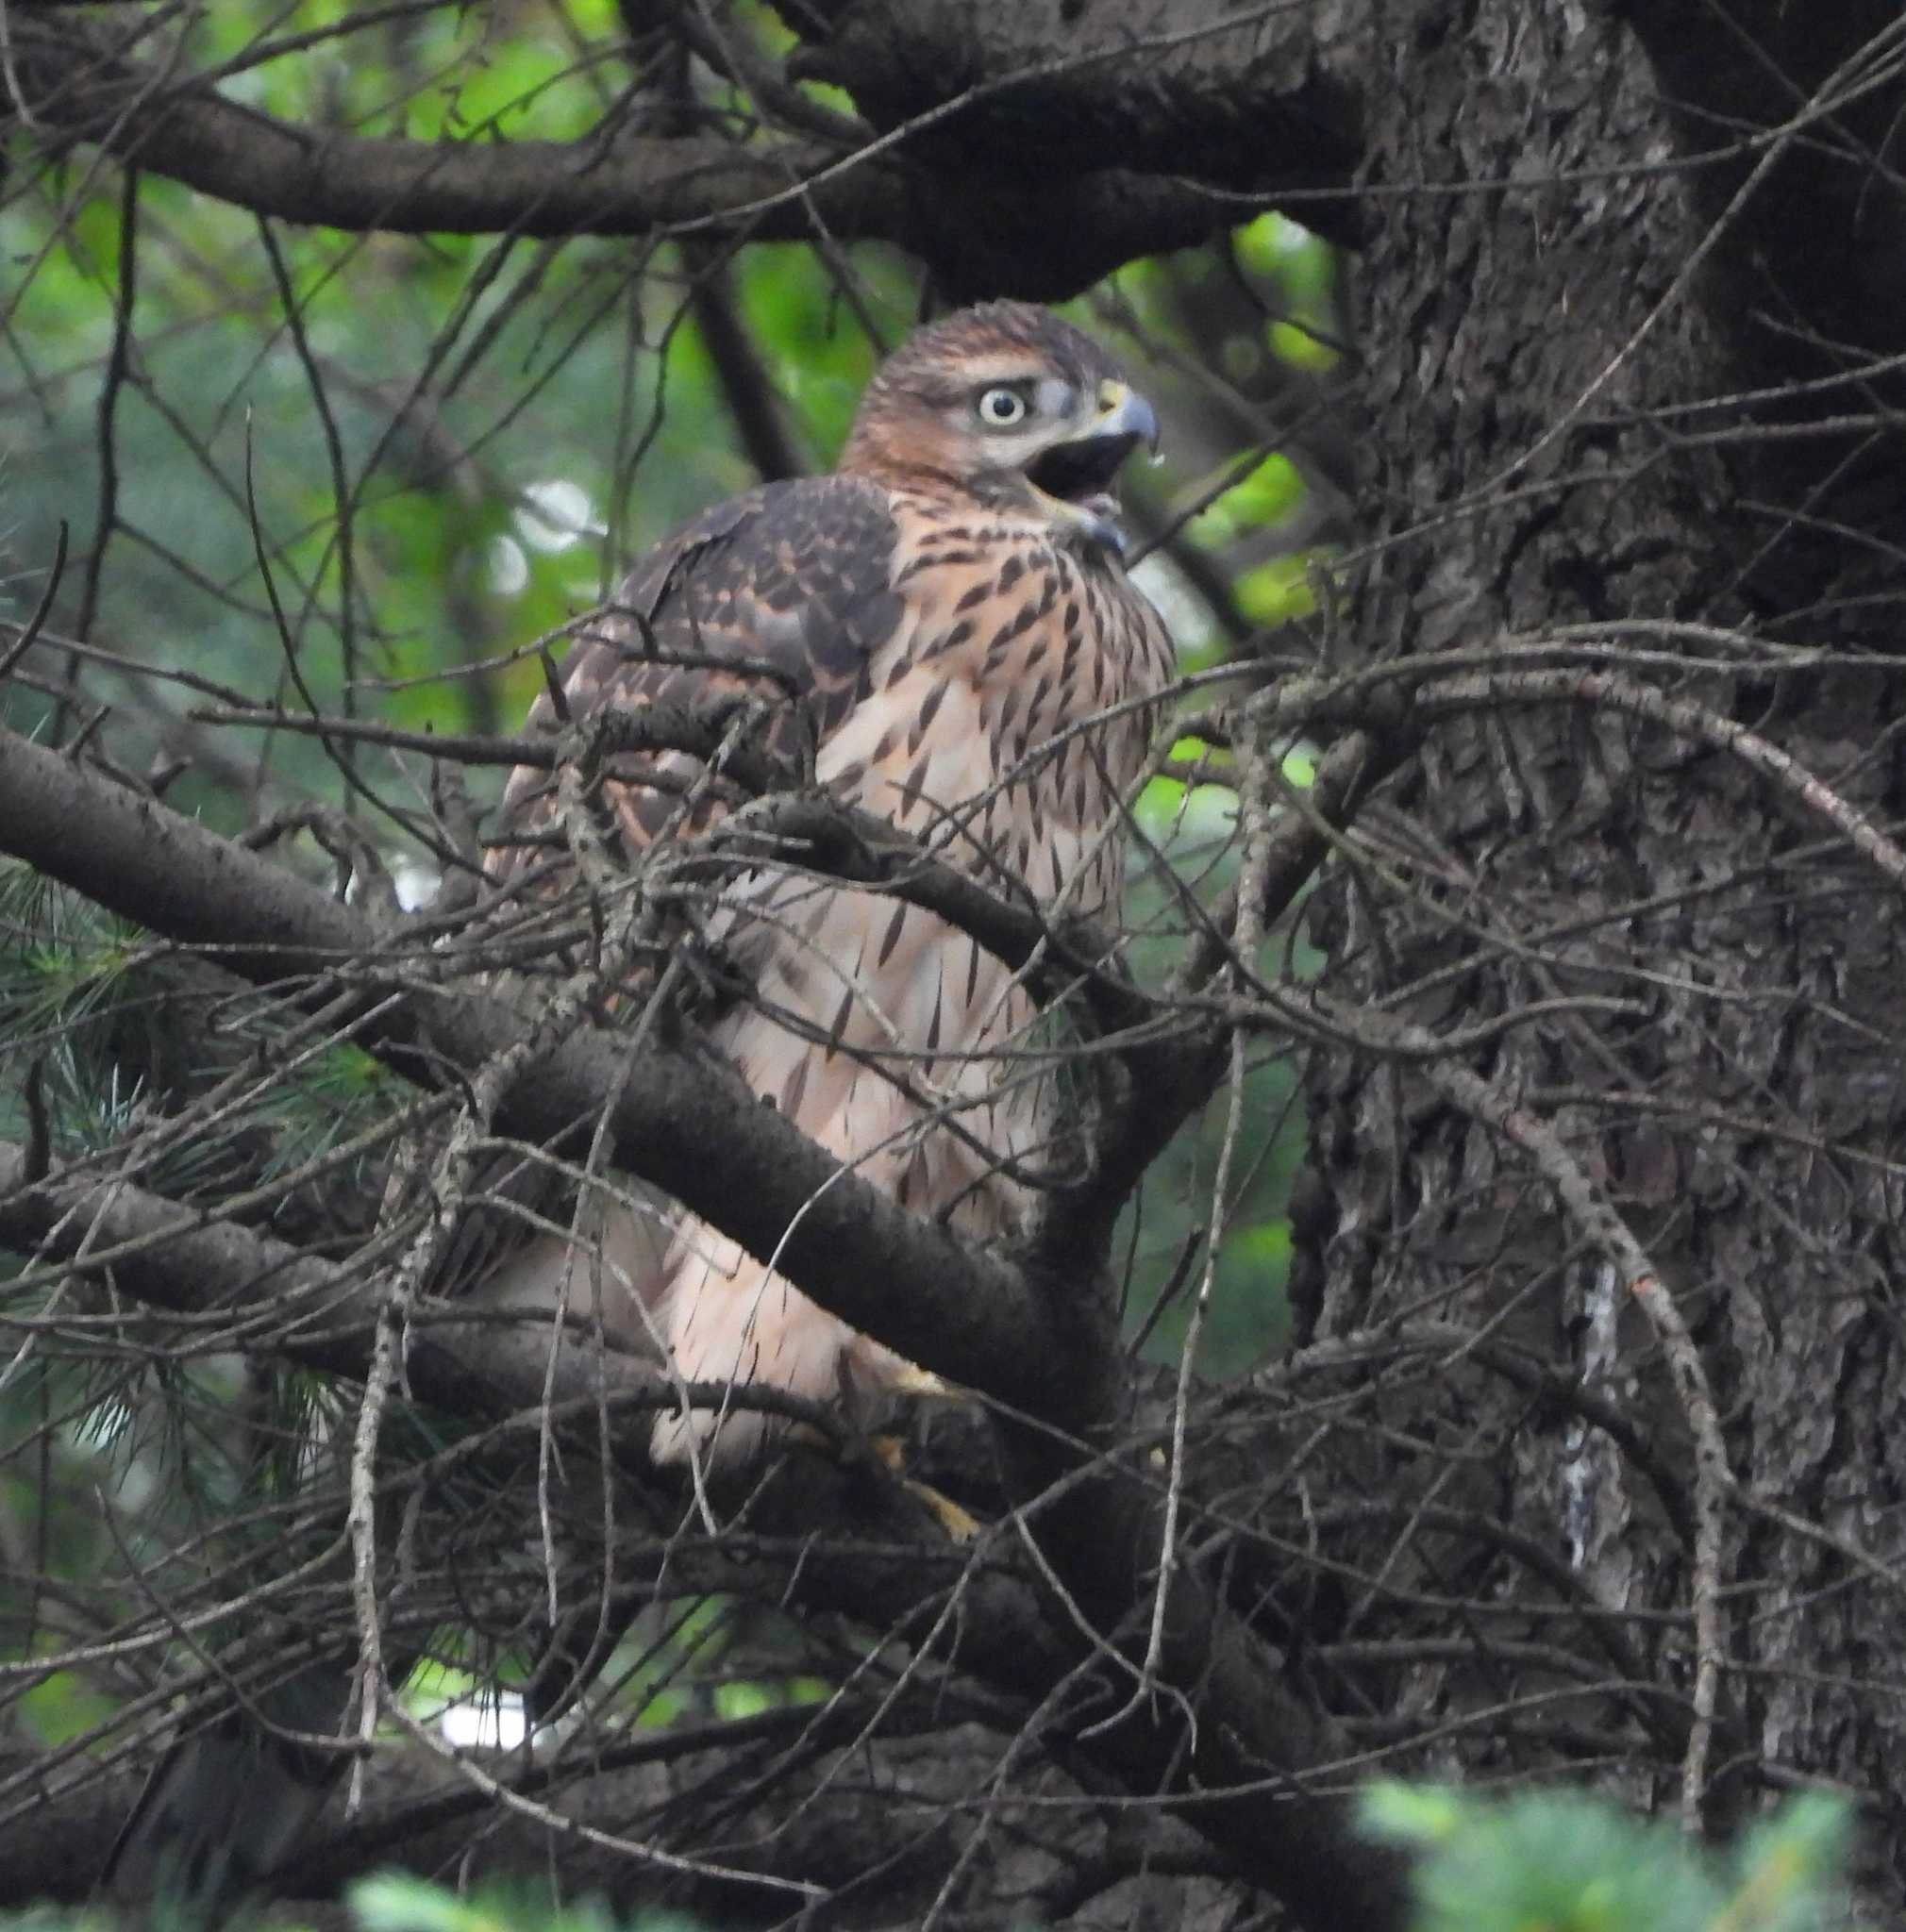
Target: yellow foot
[961, 1526]
[911, 1379]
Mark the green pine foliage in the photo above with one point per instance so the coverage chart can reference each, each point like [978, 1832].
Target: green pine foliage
[1538, 1861]
[1568, 1861]
[127, 1057]
[133, 1038]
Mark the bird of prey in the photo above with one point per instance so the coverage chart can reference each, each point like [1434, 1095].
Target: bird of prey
[946, 622]
[947, 619]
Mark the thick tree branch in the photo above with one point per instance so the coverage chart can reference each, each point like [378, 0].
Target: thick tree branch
[1100, 1544]
[1242, 96]
[1095, 211]
[322, 1314]
[1790, 122]
[419, 1812]
[76, 86]
[809, 829]
[1821, 240]
[675, 1118]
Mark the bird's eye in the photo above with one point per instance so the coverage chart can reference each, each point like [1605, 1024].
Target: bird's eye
[1001, 408]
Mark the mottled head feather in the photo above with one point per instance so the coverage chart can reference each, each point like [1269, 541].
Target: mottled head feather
[945, 354]
[937, 365]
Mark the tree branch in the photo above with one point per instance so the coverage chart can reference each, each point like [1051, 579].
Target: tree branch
[1099, 1543]
[1093, 211]
[1237, 95]
[76, 85]
[675, 1118]
[1238, 1768]
[321, 1314]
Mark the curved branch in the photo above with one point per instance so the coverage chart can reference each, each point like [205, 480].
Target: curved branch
[1239, 1770]
[1094, 209]
[1240, 95]
[76, 85]
[675, 1119]
[173, 1256]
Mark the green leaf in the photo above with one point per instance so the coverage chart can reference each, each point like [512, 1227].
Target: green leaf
[395, 1901]
[1300, 346]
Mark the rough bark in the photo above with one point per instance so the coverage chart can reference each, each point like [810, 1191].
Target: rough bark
[1561, 334]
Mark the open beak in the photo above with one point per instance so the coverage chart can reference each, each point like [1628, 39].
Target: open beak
[1082, 468]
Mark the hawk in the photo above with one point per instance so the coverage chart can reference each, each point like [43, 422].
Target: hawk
[946, 620]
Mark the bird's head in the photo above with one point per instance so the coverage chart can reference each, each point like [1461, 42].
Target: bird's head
[1009, 405]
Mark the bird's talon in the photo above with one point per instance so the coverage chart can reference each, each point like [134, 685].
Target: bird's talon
[911, 1379]
[961, 1526]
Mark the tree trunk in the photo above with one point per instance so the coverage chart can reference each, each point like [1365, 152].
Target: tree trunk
[1556, 347]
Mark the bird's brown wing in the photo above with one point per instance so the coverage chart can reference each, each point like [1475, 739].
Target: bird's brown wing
[781, 594]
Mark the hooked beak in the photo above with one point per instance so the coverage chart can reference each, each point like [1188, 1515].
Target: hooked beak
[1081, 469]
[1125, 415]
